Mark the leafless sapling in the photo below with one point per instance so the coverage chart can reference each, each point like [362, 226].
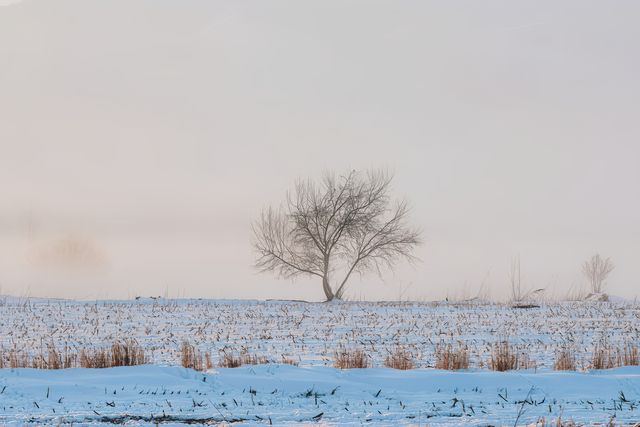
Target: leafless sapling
[596, 270]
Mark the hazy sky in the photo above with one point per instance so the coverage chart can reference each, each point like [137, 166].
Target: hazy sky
[140, 138]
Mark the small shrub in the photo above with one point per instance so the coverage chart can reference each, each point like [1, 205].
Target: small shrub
[400, 359]
[350, 359]
[450, 358]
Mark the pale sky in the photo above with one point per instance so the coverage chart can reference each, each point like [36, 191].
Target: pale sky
[150, 133]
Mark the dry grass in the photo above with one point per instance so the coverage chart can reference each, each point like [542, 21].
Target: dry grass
[505, 357]
[452, 358]
[53, 359]
[18, 359]
[565, 360]
[400, 358]
[121, 353]
[604, 356]
[207, 361]
[127, 353]
[307, 333]
[630, 356]
[252, 359]
[350, 359]
[289, 361]
[192, 358]
[96, 358]
[232, 360]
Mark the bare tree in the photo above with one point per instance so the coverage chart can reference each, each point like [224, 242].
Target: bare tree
[343, 224]
[596, 270]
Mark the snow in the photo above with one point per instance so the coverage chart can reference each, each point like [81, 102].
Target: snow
[288, 395]
[315, 392]
[310, 333]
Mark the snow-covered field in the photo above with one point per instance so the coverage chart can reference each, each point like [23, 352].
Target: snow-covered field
[315, 392]
[281, 394]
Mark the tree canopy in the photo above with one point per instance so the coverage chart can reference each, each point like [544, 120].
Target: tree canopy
[342, 223]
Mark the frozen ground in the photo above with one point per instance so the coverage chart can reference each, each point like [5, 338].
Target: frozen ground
[315, 392]
[310, 333]
[287, 395]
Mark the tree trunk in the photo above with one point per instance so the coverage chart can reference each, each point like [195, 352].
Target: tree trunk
[327, 289]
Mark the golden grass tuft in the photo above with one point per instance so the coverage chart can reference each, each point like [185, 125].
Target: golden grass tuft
[192, 358]
[400, 359]
[565, 360]
[232, 360]
[127, 353]
[505, 357]
[95, 358]
[452, 358]
[18, 359]
[604, 356]
[229, 360]
[289, 361]
[122, 353]
[350, 359]
[630, 356]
